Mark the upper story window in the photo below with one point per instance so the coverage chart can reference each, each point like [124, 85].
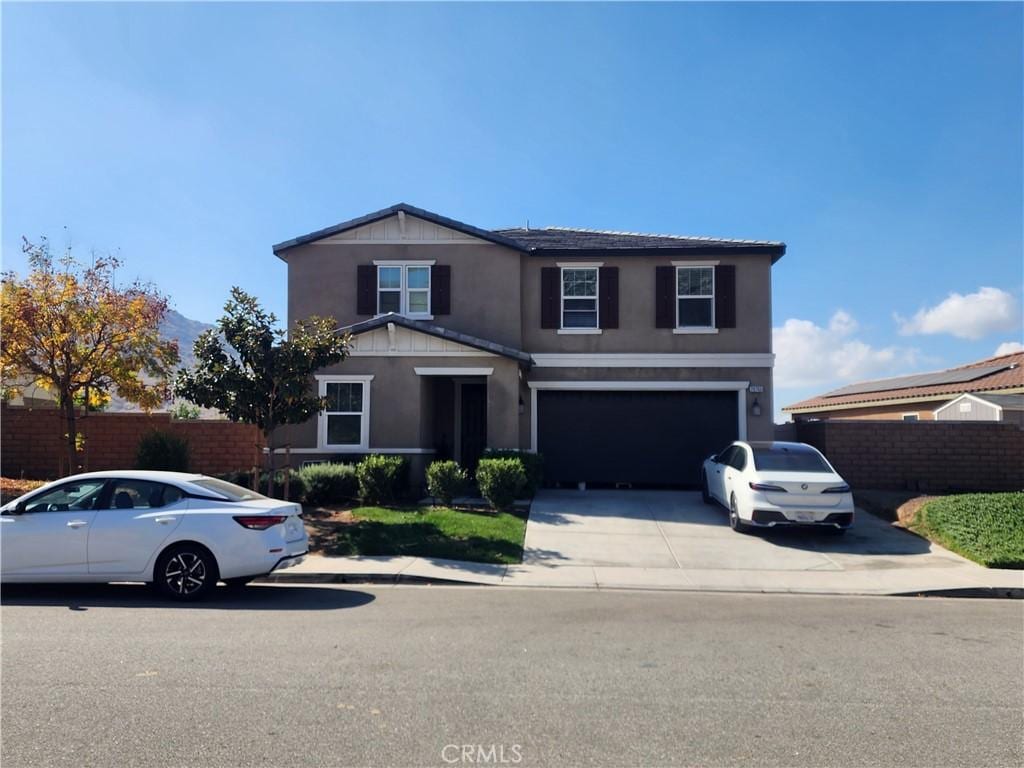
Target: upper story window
[403, 289]
[695, 297]
[579, 297]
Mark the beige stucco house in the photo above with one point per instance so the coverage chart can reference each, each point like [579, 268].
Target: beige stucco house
[623, 358]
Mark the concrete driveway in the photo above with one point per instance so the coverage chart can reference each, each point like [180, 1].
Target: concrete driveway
[676, 530]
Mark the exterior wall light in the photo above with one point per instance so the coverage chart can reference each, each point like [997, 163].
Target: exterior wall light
[755, 408]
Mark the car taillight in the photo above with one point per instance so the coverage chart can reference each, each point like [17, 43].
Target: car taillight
[844, 488]
[259, 523]
[766, 487]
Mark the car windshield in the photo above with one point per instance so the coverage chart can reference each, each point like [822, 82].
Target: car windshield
[224, 488]
[786, 459]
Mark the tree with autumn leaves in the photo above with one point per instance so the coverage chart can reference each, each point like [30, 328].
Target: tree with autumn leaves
[70, 328]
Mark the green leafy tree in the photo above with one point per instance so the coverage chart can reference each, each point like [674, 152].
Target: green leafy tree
[266, 376]
[72, 329]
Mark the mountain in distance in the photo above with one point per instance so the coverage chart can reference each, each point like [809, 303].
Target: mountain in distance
[184, 330]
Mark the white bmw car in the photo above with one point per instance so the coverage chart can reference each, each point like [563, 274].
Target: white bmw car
[181, 532]
[770, 484]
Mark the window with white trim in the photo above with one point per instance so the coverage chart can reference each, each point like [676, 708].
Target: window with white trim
[403, 289]
[910, 417]
[345, 418]
[695, 297]
[579, 297]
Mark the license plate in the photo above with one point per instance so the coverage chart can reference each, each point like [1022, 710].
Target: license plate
[806, 517]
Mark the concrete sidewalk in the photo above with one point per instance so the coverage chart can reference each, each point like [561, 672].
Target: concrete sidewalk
[968, 577]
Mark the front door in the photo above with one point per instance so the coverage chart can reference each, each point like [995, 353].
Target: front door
[49, 536]
[473, 429]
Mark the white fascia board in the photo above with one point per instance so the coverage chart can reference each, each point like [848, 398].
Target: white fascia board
[668, 360]
[625, 386]
[453, 371]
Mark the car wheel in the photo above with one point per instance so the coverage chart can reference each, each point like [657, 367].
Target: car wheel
[185, 572]
[734, 516]
[705, 492]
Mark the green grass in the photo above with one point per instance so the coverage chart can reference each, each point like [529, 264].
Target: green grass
[481, 537]
[987, 528]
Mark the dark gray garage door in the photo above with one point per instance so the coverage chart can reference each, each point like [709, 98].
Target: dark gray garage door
[640, 437]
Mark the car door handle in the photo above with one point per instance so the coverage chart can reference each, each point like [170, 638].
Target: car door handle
[165, 520]
[77, 523]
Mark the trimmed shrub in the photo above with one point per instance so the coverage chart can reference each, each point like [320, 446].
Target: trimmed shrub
[296, 484]
[500, 481]
[533, 465]
[382, 479]
[445, 480]
[329, 483]
[162, 451]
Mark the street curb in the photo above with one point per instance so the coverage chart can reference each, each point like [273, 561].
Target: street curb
[989, 593]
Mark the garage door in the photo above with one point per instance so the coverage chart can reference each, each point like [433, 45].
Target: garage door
[639, 437]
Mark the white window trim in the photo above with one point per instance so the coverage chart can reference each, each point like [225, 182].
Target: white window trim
[403, 289]
[579, 264]
[739, 387]
[903, 416]
[364, 421]
[597, 300]
[580, 331]
[453, 371]
[712, 328]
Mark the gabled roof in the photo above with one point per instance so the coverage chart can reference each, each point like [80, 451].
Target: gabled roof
[440, 332]
[1004, 372]
[1006, 402]
[411, 210]
[555, 241]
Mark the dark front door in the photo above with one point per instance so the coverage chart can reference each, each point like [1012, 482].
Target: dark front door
[473, 429]
[638, 437]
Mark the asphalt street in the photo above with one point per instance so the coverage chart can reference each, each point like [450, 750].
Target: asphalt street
[434, 676]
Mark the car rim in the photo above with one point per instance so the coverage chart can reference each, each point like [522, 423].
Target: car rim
[185, 573]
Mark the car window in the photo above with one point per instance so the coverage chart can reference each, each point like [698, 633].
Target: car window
[738, 460]
[789, 459]
[723, 457]
[141, 494]
[67, 497]
[230, 490]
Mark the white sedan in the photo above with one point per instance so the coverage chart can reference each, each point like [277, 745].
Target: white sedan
[181, 532]
[768, 484]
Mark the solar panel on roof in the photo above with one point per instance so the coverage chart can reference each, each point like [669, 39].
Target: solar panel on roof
[919, 380]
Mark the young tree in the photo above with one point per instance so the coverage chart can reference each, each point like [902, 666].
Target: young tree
[70, 328]
[266, 378]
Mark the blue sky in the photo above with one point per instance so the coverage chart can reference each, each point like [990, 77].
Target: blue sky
[882, 142]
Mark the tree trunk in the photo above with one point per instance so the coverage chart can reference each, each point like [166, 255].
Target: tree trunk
[72, 444]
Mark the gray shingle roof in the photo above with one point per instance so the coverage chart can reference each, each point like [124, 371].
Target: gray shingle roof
[571, 238]
[441, 333]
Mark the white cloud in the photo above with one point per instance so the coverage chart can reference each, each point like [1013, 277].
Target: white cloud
[967, 317]
[1008, 348]
[809, 355]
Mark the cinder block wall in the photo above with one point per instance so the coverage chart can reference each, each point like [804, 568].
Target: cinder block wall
[32, 444]
[923, 455]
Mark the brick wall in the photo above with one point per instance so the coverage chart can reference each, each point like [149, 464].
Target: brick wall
[31, 442]
[924, 455]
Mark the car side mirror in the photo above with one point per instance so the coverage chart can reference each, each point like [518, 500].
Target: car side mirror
[17, 509]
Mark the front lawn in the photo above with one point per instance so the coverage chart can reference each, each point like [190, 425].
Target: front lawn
[985, 527]
[482, 537]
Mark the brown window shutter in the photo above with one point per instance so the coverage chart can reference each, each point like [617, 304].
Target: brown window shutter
[664, 297]
[550, 297]
[441, 290]
[608, 278]
[725, 296]
[366, 289]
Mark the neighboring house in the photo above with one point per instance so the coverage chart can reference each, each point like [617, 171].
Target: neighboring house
[927, 396]
[623, 358]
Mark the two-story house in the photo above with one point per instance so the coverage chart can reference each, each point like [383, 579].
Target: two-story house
[621, 357]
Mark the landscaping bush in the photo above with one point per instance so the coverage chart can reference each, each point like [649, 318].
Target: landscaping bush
[296, 484]
[985, 527]
[162, 451]
[329, 483]
[533, 466]
[501, 481]
[445, 481]
[382, 479]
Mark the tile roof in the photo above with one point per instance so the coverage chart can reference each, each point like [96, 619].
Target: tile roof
[1009, 377]
[440, 332]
